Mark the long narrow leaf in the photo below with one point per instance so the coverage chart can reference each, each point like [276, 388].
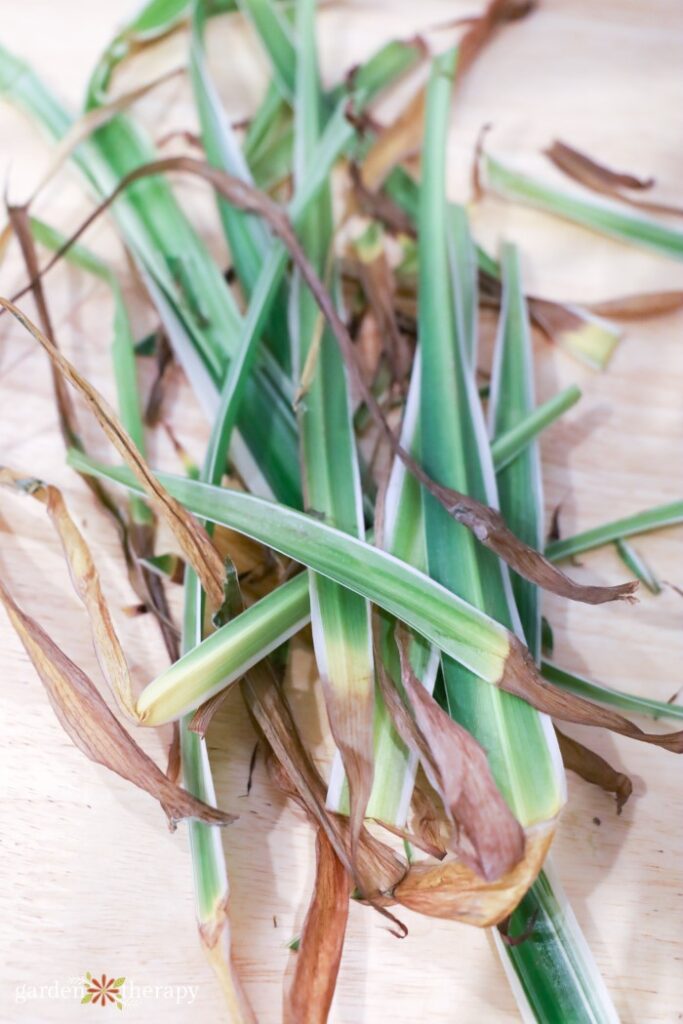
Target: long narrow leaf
[601, 215]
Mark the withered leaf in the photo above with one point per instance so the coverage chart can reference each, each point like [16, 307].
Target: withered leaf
[202, 717]
[453, 891]
[573, 162]
[521, 677]
[486, 524]
[594, 768]
[94, 729]
[19, 221]
[86, 582]
[596, 176]
[322, 940]
[640, 306]
[458, 769]
[373, 865]
[191, 536]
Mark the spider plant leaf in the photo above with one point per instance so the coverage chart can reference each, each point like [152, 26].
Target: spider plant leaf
[513, 439]
[601, 215]
[275, 34]
[605, 695]
[247, 237]
[630, 526]
[638, 566]
[342, 635]
[450, 409]
[212, 889]
[565, 975]
[512, 398]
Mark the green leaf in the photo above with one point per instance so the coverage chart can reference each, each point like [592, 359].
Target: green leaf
[600, 215]
[642, 522]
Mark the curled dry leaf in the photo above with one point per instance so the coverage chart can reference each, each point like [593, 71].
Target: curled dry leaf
[20, 224]
[192, 537]
[596, 176]
[86, 583]
[575, 163]
[486, 524]
[427, 816]
[452, 890]
[521, 677]
[594, 768]
[94, 729]
[373, 865]
[458, 769]
[201, 719]
[322, 940]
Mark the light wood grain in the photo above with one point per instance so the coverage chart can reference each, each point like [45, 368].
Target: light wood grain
[93, 880]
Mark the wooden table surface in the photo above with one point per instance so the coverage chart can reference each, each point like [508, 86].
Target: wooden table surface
[92, 879]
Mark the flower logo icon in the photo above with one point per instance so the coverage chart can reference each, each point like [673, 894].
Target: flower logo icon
[103, 990]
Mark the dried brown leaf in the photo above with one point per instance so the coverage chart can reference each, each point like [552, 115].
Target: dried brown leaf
[373, 866]
[453, 891]
[575, 163]
[427, 815]
[201, 719]
[94, 729]
[637, 307]
[458, 769]
[521, 677]
[20, 223]
[322, 940]
[596, 176]
[192, 537]
[86, 583]
[594, 768]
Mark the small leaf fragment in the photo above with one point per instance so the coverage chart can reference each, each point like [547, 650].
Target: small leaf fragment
[593, 768]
